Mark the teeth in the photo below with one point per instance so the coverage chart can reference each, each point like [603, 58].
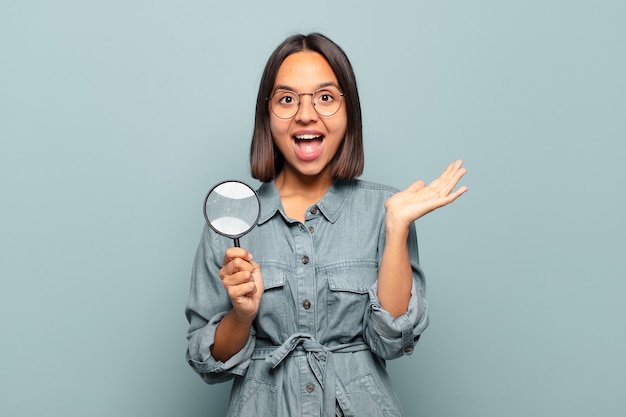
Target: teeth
[307, 137]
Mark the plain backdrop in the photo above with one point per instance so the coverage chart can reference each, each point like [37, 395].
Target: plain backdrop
[117, 116]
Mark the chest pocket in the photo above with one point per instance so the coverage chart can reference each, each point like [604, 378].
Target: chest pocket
[349, 284]
[271, 321]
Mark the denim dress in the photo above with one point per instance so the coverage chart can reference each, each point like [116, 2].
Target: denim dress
[320, 340]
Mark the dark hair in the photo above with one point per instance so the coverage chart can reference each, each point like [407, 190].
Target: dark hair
[265, 159]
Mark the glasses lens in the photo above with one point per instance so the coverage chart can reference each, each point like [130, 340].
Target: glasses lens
[285, 104]
[327, 101]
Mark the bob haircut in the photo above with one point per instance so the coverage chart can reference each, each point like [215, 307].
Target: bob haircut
[266, 161]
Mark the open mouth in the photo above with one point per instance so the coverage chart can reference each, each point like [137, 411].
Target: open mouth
[308, 146]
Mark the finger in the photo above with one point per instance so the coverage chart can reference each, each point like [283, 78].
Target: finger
[236, 257]
[454, 180]
[458, 173]
[257, 276]
[255, 267]
[233, 253]
[456, 165]
[453, 170]
[242, 283]
[453, 196]
[417, 185]
[243, 290]
[238, 278]
[234, 267]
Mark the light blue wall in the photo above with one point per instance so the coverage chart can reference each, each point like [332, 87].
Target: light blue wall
[117, 116]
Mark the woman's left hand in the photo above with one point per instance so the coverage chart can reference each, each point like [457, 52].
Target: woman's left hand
[405, 207]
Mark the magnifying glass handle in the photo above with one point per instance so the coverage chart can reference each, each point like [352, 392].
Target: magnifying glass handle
[236, 242]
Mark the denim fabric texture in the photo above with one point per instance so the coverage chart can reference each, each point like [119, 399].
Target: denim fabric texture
[319, 343]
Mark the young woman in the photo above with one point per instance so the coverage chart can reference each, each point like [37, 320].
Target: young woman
[335, 287]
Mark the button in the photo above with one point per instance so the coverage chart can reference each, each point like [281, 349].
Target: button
[310, 388]
[305, 259]
[306, 304]
[313, 210]
[311, 229]
[408, 349]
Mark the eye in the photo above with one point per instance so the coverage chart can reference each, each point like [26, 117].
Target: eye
[325, 97]
[285, 98]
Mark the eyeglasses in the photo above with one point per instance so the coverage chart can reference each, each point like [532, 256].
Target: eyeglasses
[285, 103]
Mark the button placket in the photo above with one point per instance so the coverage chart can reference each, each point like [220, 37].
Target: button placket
[305, 274]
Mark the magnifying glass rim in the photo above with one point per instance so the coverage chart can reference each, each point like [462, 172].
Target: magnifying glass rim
[254, 223]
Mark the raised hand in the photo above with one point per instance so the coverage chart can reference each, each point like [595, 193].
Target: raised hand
[419, 199]
[243, 281]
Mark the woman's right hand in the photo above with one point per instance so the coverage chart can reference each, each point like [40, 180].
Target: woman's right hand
[243, 281]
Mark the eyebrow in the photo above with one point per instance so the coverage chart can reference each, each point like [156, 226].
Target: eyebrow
[319, 86]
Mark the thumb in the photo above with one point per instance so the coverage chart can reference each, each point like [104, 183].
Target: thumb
[258, 279]
[417, 185]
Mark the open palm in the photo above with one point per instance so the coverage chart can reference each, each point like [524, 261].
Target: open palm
[419, 199]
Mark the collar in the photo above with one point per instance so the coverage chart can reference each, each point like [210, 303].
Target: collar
[331, 205]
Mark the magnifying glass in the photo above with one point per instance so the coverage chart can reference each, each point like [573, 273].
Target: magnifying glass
[232, 208]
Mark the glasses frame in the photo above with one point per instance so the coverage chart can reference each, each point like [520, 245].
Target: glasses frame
[269, 101]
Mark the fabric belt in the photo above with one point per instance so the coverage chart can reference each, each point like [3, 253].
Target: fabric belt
[320, 360]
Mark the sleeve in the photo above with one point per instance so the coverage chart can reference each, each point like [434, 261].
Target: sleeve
[391, 337]
[208, 302]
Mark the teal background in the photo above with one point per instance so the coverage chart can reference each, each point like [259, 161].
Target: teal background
[117, 116]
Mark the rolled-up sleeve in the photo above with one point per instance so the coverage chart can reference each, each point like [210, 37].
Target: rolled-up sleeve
[391, 337]
[208, 303]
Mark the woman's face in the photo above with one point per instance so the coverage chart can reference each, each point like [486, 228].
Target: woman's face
[307, 141]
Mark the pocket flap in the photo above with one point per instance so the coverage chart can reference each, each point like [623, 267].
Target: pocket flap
[273, 276]
[355, 277]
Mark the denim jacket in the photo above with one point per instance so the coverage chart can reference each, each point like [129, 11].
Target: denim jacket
[320, 340]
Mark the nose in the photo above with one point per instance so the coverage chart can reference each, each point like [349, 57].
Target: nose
[306, 111]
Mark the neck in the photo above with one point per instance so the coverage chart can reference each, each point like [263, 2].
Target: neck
[309, 187]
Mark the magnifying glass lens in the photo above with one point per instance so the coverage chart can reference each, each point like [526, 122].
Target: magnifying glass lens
[232, 209]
